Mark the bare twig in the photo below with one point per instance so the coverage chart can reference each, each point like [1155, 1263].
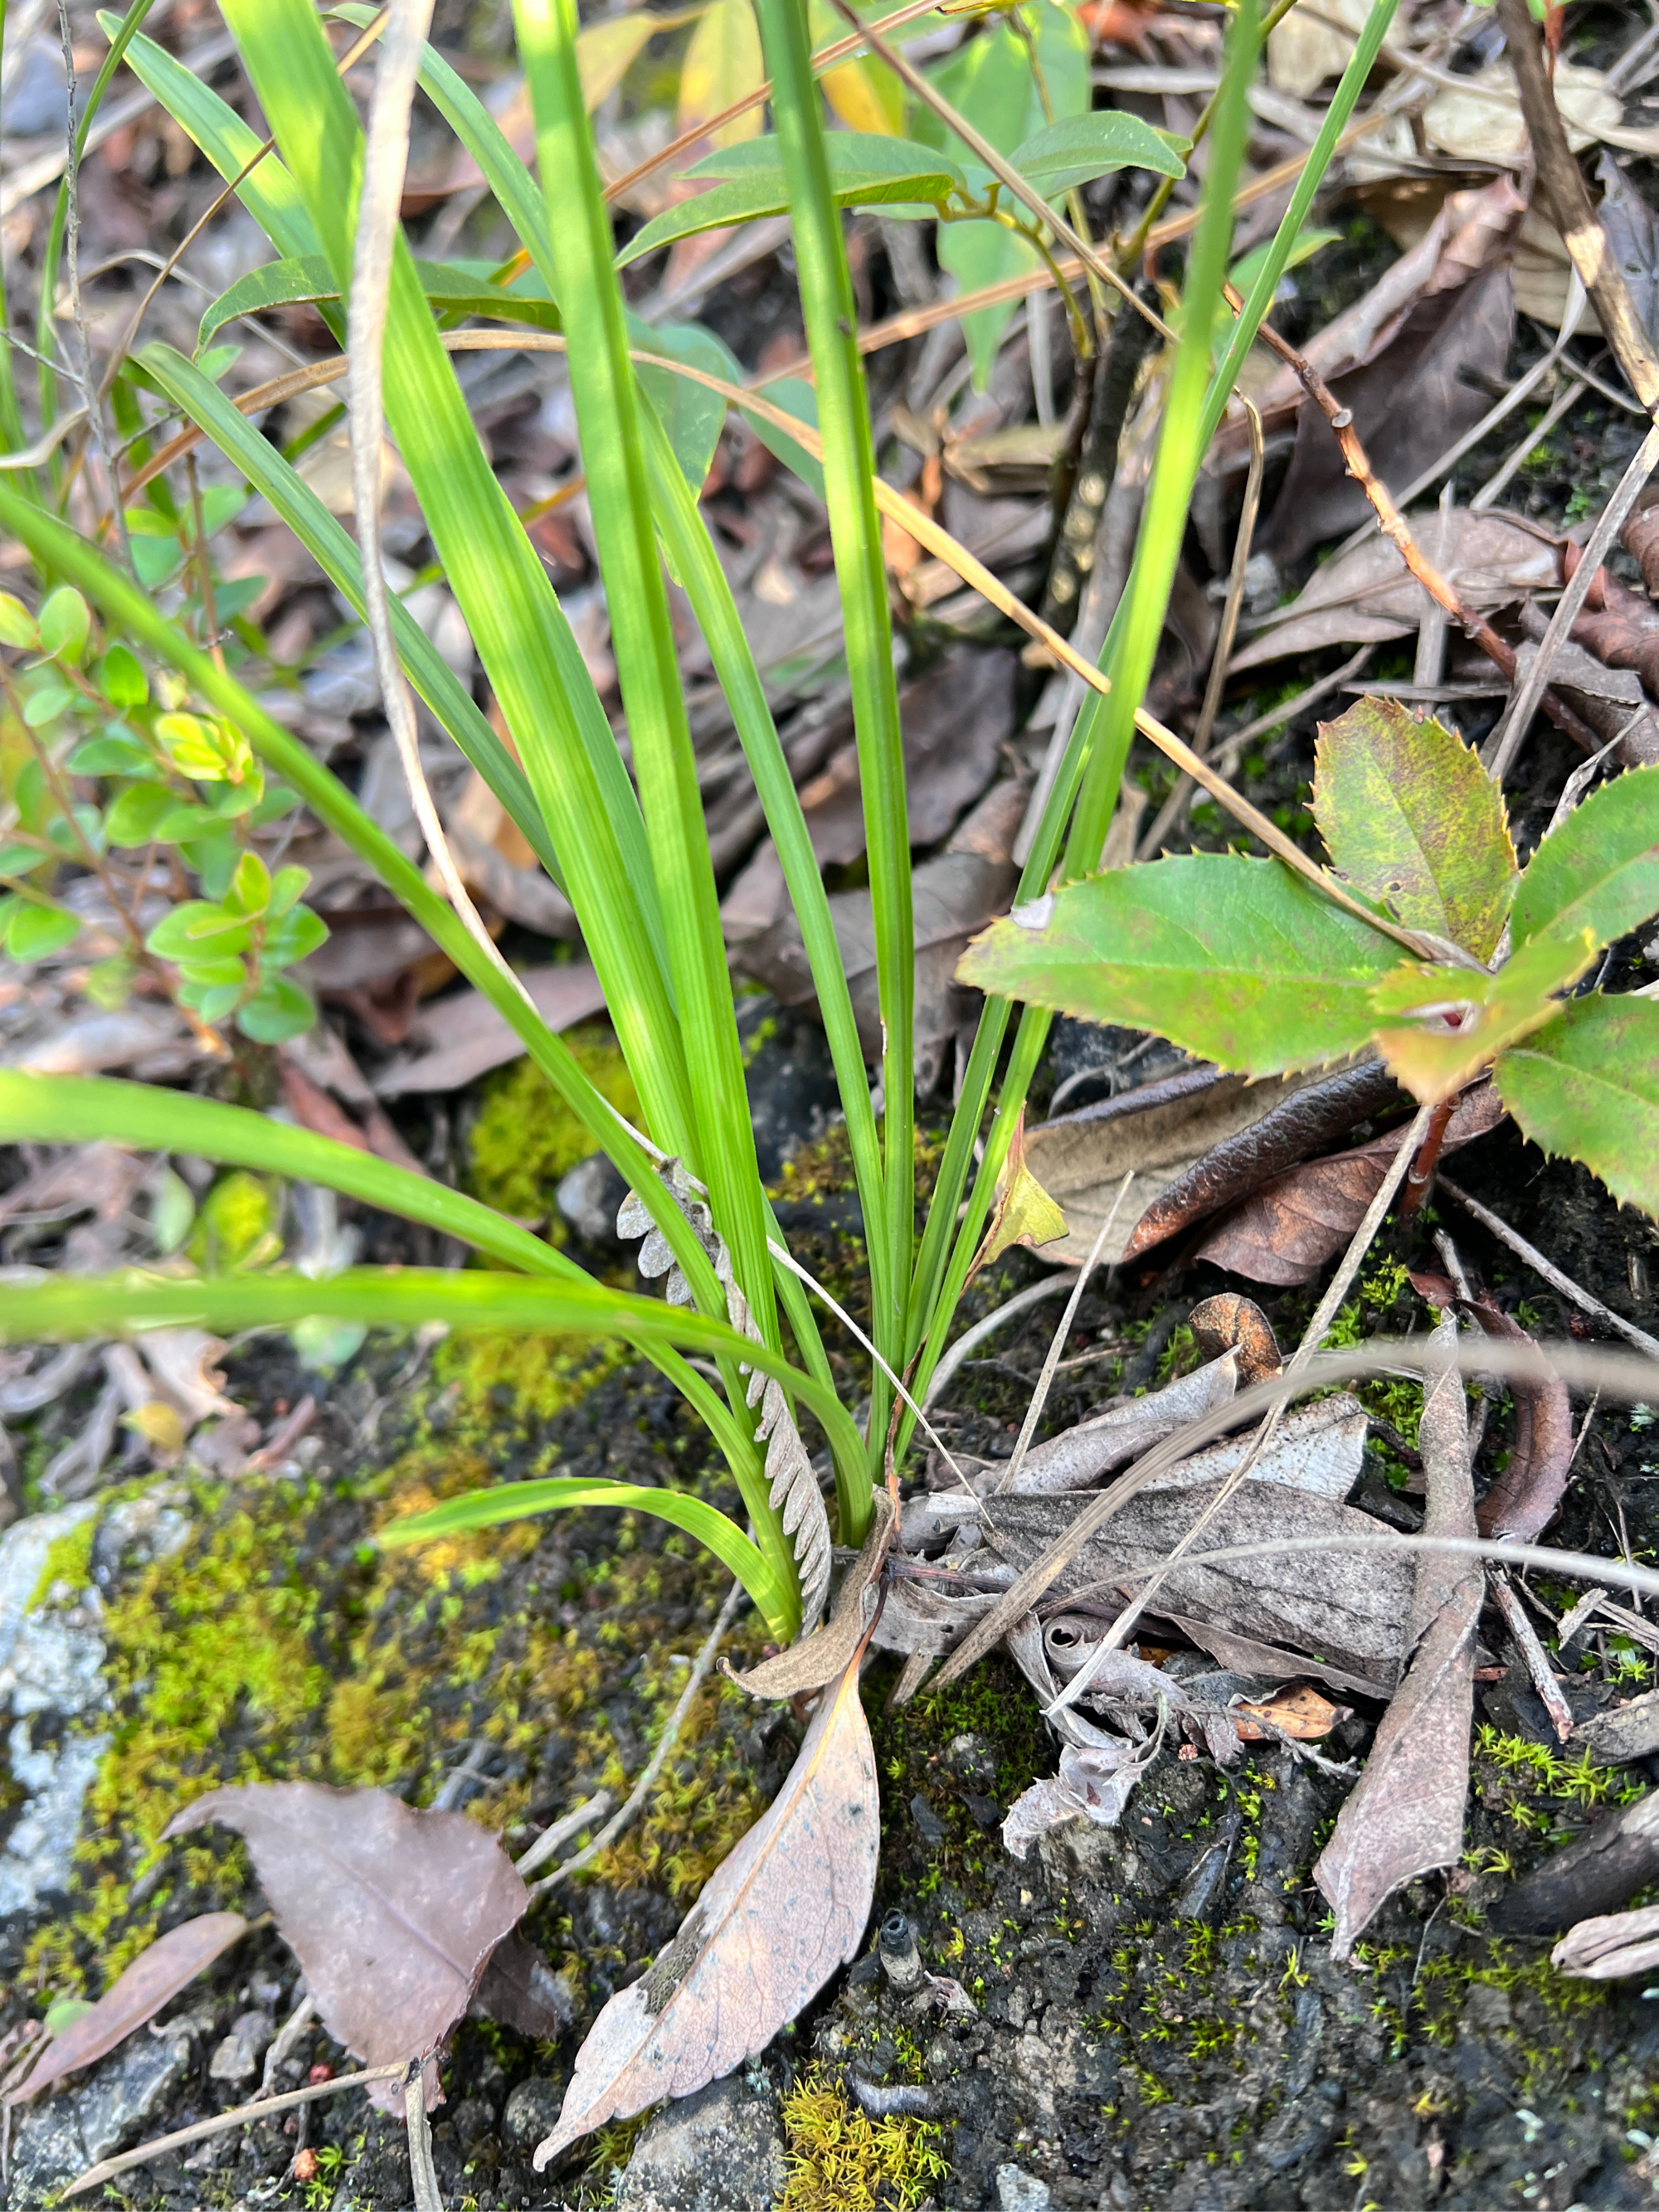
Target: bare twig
[287, 2036]
[422, 2171]
[637, 1797]
[1568, 199]
[385, 161]
[1547, 1268]
[579, 1817]
[1175, 805]
[77, 305]
[1541, 1556]
[1395, 529]
[1040, 1396]
[1532, 1655]
[261, 2108]
[1569, 606]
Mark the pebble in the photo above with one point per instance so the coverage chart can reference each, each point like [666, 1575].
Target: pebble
[73, 2129]
[718, 2151]
[1019, 2191]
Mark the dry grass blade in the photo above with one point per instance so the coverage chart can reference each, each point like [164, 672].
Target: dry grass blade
[385, 158]
[1040, 1396]
[422, 2172]
[1405, 1817]
[240, 2115]
[1551, 1273]
[785, 1909]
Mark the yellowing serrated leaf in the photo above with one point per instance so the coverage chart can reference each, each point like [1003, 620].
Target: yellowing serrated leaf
[1024, 1213]
[1456, 1020]
[723, 64]
[1412, 819]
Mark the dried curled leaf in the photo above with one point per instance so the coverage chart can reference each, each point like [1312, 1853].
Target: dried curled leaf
[136, 1995]
[828, 1651]
[1229, 1323]
[786, 1908]
[1607, 1949]
[1023, 1213]
[788, 1468]
[1092, 1785]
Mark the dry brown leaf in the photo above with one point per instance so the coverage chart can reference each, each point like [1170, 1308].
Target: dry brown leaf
[1081, 1159]
[1094, 1783]
[459, 1038]
[1526, 1496]
[1229, 1323]
[392, 1913]
[1301, 1713]
[787, 1907]
[1287, 1232]
[1607, 1949]
[1355, 1616]
[1481, 120]
[1405, 1815]
[1244, 1655]
[1309, 1118]
[828, 1651]
[1491, 558]
[136, 1995]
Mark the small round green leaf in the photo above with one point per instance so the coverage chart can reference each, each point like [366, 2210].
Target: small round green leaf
[66, 624]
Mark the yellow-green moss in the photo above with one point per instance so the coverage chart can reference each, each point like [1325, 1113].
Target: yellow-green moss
[839, 2161]
[68, 1562]
[498, 1373]
[237, 1224]
[525, 1136]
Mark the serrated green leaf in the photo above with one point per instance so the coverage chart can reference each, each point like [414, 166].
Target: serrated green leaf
[1600, 870]
[1413, 820]
[1080, 148]
[1236, 959]
[1586, 1088]
[865, 171]
[1457, 1019]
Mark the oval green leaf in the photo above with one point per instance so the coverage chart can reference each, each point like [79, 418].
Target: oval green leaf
[1235, 959]
[1081, 148]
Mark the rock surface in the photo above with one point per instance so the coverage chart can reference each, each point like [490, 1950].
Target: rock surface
[719, 2151]
[78, 2126]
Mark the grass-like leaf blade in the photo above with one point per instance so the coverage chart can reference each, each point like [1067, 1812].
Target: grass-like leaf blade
[1586, 1088]
[1236, 960]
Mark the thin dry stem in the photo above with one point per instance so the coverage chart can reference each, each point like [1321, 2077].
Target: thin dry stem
[1040, 1396]
[422, 2171]
[1552, 1274]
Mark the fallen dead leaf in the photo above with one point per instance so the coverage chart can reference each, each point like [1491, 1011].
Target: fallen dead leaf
[787, 1907]
[1093, 1784]
[1405, 1815]
[1491, 558]
[1301, 1712]
[1157, 1135]
[456, 1038]
[136, 1995]
[393, 1913]
[1287, 1232]
[1229, 1322]
[1526, 1496]
[1306, 1118]
[828, 1651]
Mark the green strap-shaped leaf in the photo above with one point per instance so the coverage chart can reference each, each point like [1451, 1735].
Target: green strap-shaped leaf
[1413, 820]
[912, 177]
[451, 289]
[1236, 960]
[517, 1501]
[1586, 1088]
[325, 538]
[1600, 870]
[1079, 147]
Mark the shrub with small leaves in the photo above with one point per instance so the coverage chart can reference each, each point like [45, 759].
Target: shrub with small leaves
[118, 764]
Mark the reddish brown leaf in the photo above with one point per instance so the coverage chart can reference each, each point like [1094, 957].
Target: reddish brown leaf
[1618, 626]
[1301, 1712]
[393, 1912]
[1641, 537]
[137, 1996]
[1229, 1323]
[1293, 1224]
[1526, 1496]
[1406, 1814]
[1299, 1124]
